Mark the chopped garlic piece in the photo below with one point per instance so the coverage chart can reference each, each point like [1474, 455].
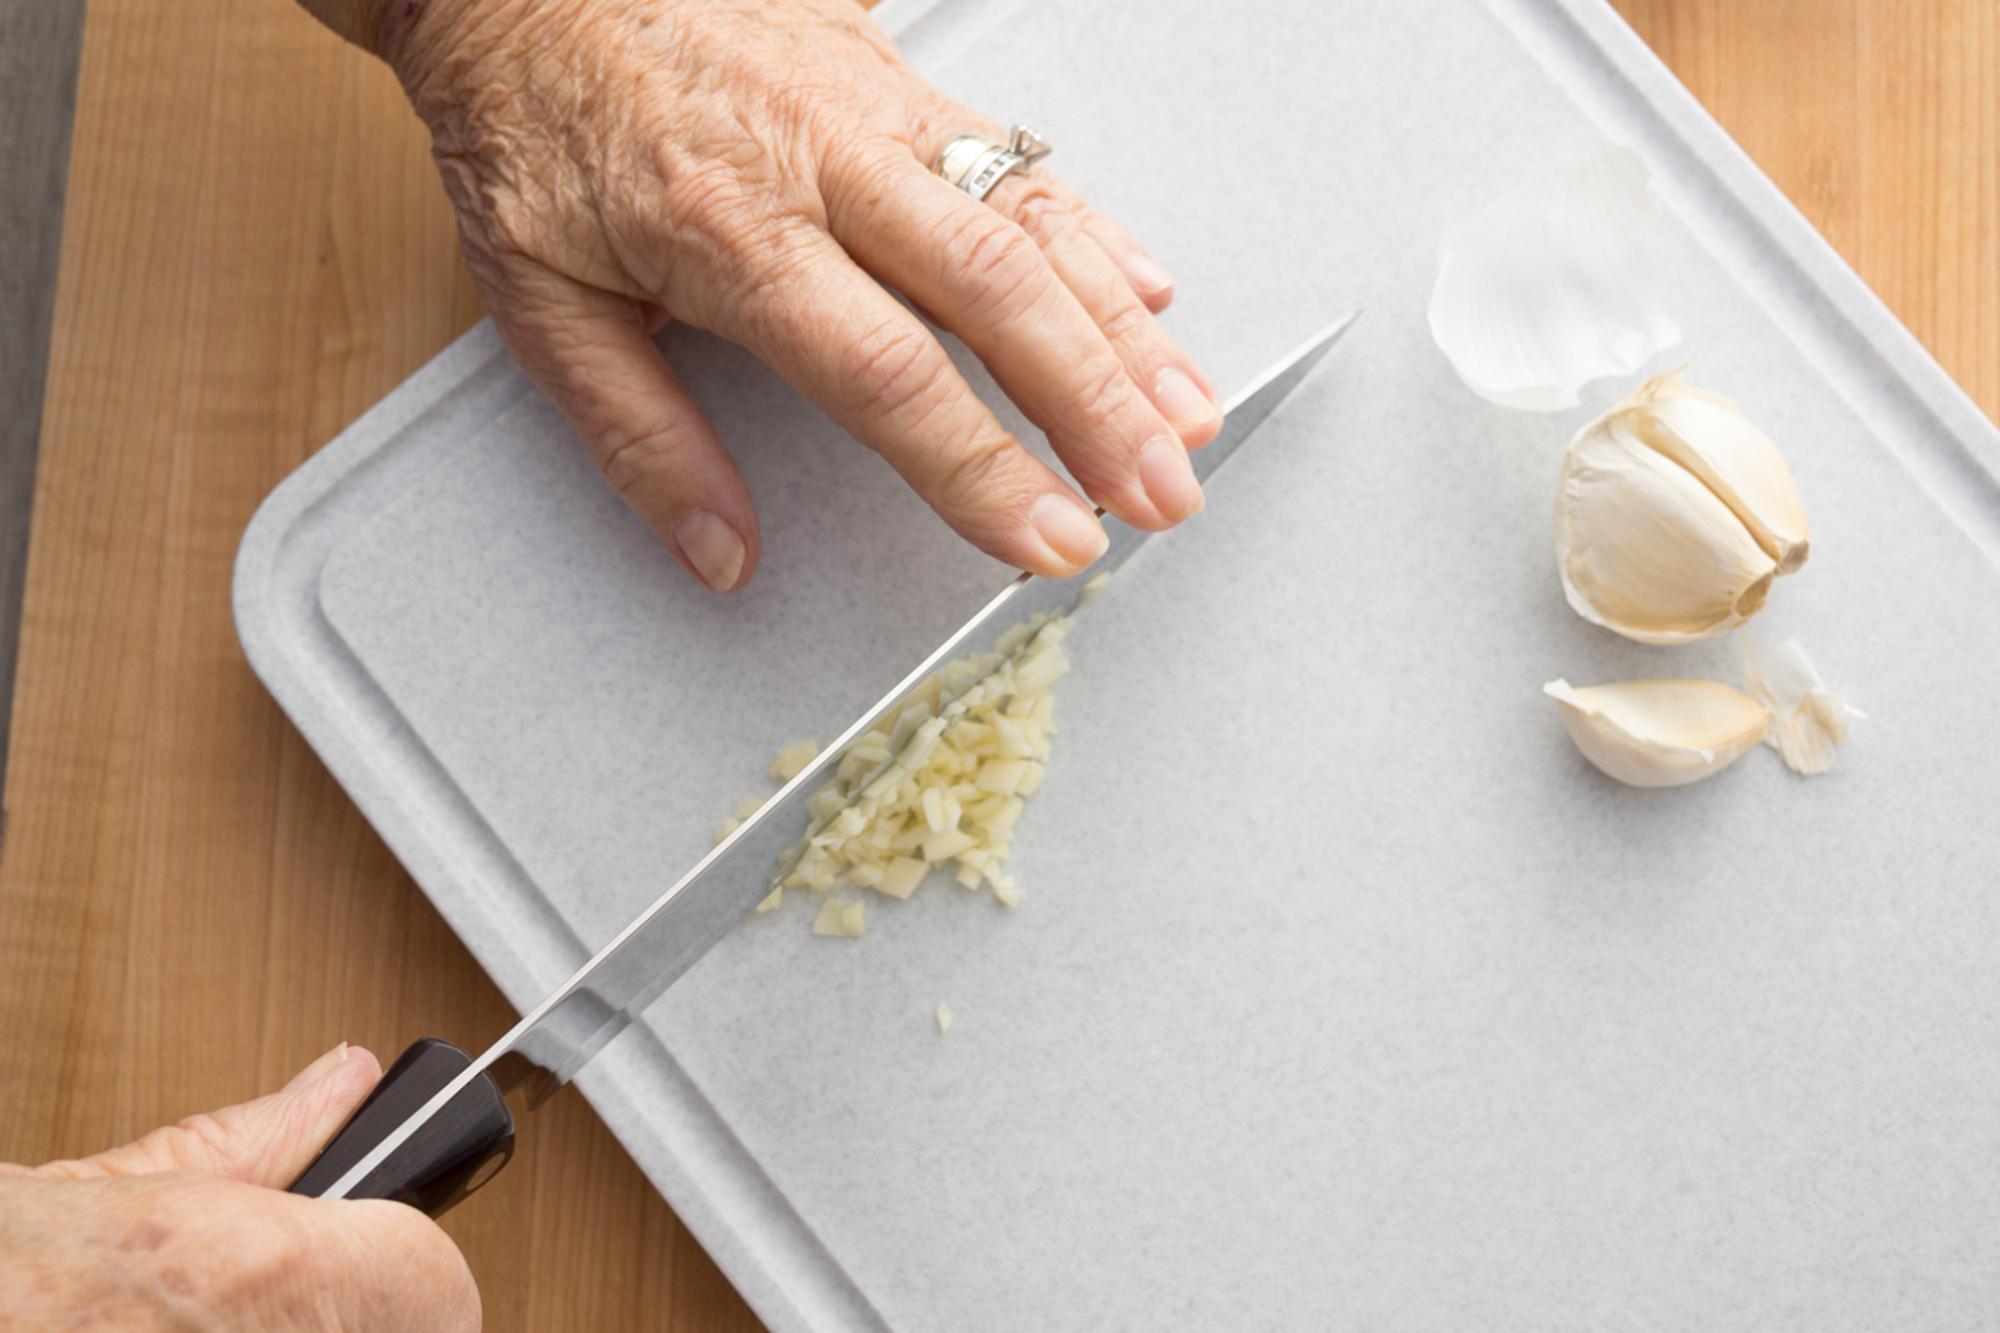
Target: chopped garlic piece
[1094, 587]
[937, 784]
[943, 1018]
[901, 876]
[792, 759]
[1807, 720]
[745, 808]
[1001, 775]
[944, 846]
[839, 919]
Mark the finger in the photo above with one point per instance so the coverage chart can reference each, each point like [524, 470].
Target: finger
[1149, 280]
[1076, 240]
[1017, 196]
[873, 367]
[938, 120]
[987, 281]
[268, 1141]
[589, 351]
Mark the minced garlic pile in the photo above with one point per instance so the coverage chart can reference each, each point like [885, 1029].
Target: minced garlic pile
[930, 789]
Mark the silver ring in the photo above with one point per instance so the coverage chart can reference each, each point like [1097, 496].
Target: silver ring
[975, 165]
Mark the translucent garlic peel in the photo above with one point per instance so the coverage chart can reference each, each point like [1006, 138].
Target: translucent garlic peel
[1673, 515]
[1552, 285]
[1660, 733]
[1807, 719]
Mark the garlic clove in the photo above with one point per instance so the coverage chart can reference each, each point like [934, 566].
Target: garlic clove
[1645, 548]
[1807, 719]
[1660, 733]
[1704, 433]
[1552, 285]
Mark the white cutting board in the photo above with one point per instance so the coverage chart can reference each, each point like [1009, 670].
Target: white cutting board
[1343, 993]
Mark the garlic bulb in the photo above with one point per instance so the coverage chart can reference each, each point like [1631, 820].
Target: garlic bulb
[1552, 285]
[1807, 719]
[1660, 733]
[1673, 515]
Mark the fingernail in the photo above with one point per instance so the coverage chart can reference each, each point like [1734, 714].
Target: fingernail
[1144, 273]
[1071, 531]
[712, 547]
[1169, 479]
[1182, 403]
[318, 1069]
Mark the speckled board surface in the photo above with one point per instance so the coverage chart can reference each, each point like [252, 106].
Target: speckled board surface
[1336, 967]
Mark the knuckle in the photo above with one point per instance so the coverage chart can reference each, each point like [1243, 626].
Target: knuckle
[699, 189]
[978, 476]
[1044, 212]
[628, 457]
[774, 272]
[855, 185]
[513, 225]
[704, 196]
[894, 368]
[1128, 322]
[999, 260]
[208, 1136]
[1103, 391]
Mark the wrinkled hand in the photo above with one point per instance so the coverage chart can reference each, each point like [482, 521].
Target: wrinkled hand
[188, 1228]
[760, 169]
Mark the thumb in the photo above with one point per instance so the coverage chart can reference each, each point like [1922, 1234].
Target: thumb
[268, 1141]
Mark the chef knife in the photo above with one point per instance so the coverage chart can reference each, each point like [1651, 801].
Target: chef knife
[438, 1126]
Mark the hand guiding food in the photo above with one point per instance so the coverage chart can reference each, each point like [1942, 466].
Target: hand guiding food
[764, 171]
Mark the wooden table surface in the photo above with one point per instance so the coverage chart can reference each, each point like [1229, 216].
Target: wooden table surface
[254, 252]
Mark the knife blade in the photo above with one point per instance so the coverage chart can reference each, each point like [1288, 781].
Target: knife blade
[437, 1126]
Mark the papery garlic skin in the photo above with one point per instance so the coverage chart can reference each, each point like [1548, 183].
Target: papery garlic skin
[1660, 733]
[1673, 515]
[1705, 434]
[1807, 719]
[1552, 285]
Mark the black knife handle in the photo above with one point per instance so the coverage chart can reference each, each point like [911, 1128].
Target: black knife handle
[459, 1149]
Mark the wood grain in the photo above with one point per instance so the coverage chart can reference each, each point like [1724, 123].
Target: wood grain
[254, 252]
[38, 53]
